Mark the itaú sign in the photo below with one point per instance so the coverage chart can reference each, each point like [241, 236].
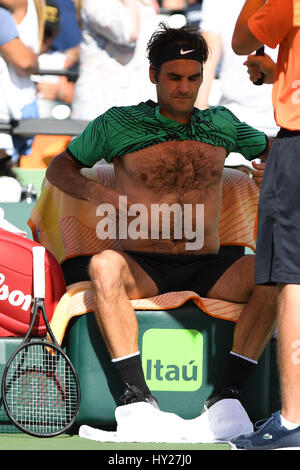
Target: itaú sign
[173, 359]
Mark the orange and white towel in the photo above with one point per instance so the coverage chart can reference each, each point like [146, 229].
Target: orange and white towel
[78, 301]
[67, 228]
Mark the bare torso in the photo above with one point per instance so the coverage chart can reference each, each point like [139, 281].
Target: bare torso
[181, 173]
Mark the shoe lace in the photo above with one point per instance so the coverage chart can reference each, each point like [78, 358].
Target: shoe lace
[225, 392]
[261, 423]
[133, 394]
[130, 393]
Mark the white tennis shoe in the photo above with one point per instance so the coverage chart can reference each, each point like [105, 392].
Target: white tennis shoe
[140, 422]
[221, 422]
[143, 421]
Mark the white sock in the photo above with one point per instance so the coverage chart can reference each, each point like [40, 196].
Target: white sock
[244, 357]
[125, 357]
[288, 424]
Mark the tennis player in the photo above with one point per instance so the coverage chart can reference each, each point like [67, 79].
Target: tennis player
[170, 153]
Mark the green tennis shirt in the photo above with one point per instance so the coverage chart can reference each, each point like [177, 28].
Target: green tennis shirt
[127, 129]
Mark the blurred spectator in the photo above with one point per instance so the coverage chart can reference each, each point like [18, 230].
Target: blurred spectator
[69, 36]
[113, 68]
[173, 5]
[68, 39]
[9, 108]
[53, 90]
[12, 51]
[52, 25]
[10, 188]
[250, 103]
[28, 17]
[193, 12]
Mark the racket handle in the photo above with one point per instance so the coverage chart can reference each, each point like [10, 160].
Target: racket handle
[260, 51]
[38, 253]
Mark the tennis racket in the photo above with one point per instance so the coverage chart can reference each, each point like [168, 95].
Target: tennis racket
[40, 388]
[260, 51]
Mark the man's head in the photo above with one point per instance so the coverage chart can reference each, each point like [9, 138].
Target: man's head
[176, 66]
[168, 44]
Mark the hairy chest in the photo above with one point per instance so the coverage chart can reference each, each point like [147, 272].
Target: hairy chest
[174, 166]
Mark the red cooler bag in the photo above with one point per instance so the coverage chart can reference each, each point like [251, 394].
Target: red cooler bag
[16, 285]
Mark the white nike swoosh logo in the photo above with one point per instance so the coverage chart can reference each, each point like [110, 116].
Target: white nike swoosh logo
[182, 52]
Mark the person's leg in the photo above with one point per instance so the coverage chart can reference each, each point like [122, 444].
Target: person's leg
[283, 427]
[277, 257]
[224, 416]
[116, 279]
[289, 351]
[253, 329]
[257, 321]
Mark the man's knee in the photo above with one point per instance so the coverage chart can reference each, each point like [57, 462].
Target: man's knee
[106, 267]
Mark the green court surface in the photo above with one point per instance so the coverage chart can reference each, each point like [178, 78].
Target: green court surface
[68, 442]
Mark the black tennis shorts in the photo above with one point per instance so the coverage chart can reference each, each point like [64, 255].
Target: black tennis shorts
[173, 273]
[278, 234]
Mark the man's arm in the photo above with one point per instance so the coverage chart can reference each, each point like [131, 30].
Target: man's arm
[13, 4]
[21, 57]
[64, 173]
[243, 41]
[17, 7]
[209, 69]
[12, 49]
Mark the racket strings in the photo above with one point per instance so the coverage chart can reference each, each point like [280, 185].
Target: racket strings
[41, 389]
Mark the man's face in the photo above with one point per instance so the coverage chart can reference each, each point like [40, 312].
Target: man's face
[177, 87]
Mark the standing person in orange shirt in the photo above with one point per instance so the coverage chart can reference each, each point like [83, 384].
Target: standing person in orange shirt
[278, 245]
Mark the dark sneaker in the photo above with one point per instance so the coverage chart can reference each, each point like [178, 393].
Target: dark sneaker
[270, 435]
[133, 394]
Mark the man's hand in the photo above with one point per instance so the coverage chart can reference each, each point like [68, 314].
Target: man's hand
[48, 90]
[256, 65]
[258, 174]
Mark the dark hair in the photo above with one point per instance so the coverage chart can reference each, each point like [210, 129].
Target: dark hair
[165, 37]
[52, 19]
[5, 165]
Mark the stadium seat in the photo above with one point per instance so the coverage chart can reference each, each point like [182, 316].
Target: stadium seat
[184, 352]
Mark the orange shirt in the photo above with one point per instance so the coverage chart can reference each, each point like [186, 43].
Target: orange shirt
[277, 23]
